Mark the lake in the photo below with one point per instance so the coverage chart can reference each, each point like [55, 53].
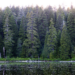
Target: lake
[38, 68]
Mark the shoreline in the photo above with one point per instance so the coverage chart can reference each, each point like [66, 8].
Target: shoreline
[32, 61]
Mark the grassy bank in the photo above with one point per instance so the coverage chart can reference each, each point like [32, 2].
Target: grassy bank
[41, 59]
[20, 59]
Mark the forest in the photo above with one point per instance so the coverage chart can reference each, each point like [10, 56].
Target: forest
[34, 32]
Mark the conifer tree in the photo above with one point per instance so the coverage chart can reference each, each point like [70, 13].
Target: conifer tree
[65, 44]
[71, 25]
[1, 32]
[14, 29]
[45, 50]
[22, 35]
[22, 31]
[57, 52]
[59, 19]
[32, 36]
[8, 42]
[50, 40]
[42, 27]
[25, 48]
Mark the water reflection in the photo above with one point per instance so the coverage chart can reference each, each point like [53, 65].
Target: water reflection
[39, 69]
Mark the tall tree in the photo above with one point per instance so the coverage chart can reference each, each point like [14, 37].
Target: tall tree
[22, 30]
[1, 32]
[22, 35]
[45, 49]
[14, 29]
[49, 13]
[65, 44]
[42, 26]
[8, 42]
[59, 19]
[32, 36]
[71, 25]
[51, 39]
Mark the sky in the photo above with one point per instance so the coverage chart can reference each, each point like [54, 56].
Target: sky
[43, 3]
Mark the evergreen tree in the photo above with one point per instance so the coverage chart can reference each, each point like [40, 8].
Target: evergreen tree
[7, 12]
[22, 31]
[45, 50]
[59, 19]
[42, 27]
[57, 52]
[8, 42]
[32, 36]
[14, 29]
[25, 48]
[71, 25]
[65, 44]
[49, 13]
[22, 35]
[1, 32]
[51, 40]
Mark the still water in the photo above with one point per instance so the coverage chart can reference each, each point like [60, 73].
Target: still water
[42, 68]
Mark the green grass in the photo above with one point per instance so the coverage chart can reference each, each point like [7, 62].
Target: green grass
[73, 59]
[16, 59]
[12, 60]
[2, 59]
[42, 59]
[20, 59]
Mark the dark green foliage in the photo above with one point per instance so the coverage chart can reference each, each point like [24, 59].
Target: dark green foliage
[8, 35]
[71, 25]
[59, 19]
[22, 36]
[22, 30]
[45, 50]
[7, 12]
[1, 32]
[19, 47]
[1, 45]
[42, 27]
[57, 51]
[25, 48]
[28, 32]
[14, 29]
[51, 40]
[65, 44]
[49, 14]
[32, 40]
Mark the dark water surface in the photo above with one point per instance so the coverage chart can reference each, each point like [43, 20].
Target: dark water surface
[42, 68]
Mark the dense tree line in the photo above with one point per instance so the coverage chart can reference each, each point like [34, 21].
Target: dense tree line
[37, 32]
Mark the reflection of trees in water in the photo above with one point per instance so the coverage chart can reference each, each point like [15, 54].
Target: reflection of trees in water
[62, 69]
[39, 69]
[2, 70]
